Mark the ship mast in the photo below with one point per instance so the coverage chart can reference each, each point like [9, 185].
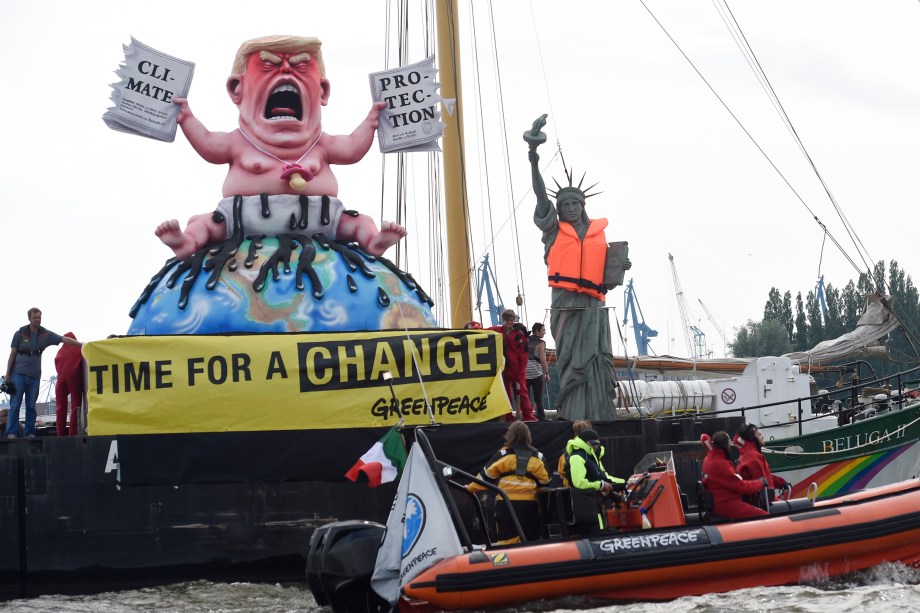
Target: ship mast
[459, 267]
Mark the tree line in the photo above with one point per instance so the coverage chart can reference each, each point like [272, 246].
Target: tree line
[799, 326]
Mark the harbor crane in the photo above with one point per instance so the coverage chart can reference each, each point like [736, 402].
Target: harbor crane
[486, 282]
[819, 294]
[640, 329]
[715, 325]
[697, 347]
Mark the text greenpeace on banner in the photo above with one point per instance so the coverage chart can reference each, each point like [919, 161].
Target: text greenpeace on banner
[157, 384]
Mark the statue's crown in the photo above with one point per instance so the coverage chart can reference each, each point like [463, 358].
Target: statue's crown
[572, 190]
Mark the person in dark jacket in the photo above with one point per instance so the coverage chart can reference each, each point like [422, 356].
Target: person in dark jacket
[752, 464]
[590, 482]
[537, 367]
[723, 482]
[518, 468]
[24, 369]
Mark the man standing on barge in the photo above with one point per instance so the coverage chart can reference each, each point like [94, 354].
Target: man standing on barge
[24, 369]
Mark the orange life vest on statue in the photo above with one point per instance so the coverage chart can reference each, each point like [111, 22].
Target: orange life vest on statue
[578, 266]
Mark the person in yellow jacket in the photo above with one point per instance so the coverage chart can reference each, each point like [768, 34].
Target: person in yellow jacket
[590, 481]
[518, 468]
[575, 252]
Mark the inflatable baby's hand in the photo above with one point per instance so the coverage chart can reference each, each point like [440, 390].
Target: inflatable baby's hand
[374, 115]
[184, 111]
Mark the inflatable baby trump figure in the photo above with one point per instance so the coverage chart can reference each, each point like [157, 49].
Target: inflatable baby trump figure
[279, 157]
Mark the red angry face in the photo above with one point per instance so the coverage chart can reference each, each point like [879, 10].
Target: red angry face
[280, 97]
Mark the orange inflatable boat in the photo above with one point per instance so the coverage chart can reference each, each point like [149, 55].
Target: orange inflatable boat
[675, 555]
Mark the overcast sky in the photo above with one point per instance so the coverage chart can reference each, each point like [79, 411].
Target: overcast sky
[678, 174]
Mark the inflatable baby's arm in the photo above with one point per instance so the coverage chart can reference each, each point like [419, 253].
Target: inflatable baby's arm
[200, 230]
[213, 147]
[349, 149]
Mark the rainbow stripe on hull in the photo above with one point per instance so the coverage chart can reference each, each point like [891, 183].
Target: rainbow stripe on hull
[849, 475]
[870, 452]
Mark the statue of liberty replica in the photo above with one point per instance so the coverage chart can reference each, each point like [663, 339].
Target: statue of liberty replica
[576, 255]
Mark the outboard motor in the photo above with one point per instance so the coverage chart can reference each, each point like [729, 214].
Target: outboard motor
[340, 562]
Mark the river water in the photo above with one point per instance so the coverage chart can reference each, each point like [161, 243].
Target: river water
[885, 589]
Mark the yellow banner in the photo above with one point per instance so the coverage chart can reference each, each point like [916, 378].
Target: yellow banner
[169, 384]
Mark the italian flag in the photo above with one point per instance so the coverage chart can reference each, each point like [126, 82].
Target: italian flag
[382, 463]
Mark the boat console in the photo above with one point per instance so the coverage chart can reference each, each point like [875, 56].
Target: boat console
[652, 497]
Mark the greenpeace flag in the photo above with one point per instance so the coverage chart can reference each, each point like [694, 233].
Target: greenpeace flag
[382, 463]
[419, 531]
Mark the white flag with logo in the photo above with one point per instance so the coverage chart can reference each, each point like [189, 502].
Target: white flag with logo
[419, 530]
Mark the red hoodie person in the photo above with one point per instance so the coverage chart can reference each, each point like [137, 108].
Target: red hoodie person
[726, 486]
[751, 463]
[514, 375]
[70, 385]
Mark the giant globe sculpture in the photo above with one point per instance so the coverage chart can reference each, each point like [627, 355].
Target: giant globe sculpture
[286, 284]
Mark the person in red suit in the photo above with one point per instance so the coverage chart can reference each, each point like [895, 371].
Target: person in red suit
[727, 487]
[514, 375]
[751, 463]
[69, 387]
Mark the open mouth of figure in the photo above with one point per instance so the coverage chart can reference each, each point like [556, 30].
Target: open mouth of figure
[284, 103]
